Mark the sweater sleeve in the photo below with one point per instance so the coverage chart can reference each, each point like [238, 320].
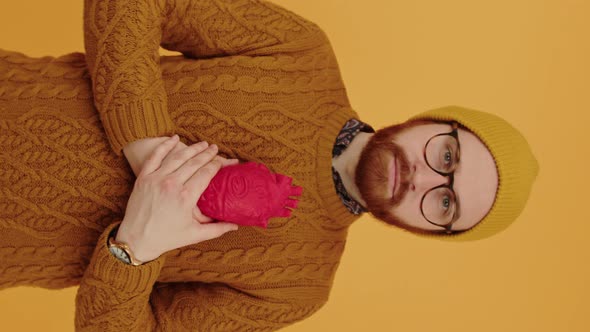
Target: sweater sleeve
[114, 296]
[122, 38]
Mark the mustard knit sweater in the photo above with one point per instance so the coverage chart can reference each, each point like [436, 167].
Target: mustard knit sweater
[259, 81]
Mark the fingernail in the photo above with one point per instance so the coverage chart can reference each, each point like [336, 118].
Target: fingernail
[174, 137]
[212, 146]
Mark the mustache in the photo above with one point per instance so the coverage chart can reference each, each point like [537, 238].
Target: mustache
[372, 175]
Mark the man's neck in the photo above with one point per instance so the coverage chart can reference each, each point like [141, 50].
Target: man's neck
[345, 164]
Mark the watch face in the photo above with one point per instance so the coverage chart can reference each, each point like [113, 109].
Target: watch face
[121, 254]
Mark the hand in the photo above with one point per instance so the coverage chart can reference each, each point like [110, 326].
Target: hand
[137, 152]
[160, 212]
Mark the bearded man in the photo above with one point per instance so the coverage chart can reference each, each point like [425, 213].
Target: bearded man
[263, 85]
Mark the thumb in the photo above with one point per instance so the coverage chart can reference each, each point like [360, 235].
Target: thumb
[210, 231]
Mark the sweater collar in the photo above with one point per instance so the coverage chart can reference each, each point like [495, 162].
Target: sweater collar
[350, 129]
[327, 190]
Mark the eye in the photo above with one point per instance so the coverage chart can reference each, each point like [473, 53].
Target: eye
[446, 202]
[447, 205]
[447, 162]
[439, 205]
[448, 157]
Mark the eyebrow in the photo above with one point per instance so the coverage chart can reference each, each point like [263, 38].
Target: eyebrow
[458, 210]
[457, 213]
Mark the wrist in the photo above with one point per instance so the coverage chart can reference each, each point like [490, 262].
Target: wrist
[138, 151]
[132, 246]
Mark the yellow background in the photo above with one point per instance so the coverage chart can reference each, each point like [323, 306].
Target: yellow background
[526, 61]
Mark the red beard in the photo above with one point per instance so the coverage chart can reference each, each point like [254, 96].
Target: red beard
[372, 172]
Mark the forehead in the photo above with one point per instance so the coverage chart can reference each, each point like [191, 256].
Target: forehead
[418, 132]
[476, 180]
[426, 129]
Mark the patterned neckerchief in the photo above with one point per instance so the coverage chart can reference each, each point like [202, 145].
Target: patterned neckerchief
[348, 132]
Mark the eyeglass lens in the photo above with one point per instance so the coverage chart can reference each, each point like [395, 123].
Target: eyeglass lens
[439, 204]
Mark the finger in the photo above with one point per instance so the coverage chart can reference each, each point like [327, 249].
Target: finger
[178, 147]
[214, 230]
[174, 161]
[226, 162]
[199, 216]
[200, 178]
[229, 162]
[155, 159]
[207, 220]
[188, 169]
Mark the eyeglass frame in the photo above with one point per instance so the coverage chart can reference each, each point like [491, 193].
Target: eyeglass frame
[450, 175]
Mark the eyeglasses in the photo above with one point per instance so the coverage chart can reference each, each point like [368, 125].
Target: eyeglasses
[439, 205]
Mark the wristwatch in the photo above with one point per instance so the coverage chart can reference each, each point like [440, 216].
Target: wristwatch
[121, 250]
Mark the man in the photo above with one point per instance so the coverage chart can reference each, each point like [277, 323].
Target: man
[436, 175]
[262, 84]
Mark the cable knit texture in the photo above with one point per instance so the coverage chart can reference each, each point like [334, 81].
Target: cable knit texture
[259, 81]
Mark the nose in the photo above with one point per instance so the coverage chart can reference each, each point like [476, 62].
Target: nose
[425, 178]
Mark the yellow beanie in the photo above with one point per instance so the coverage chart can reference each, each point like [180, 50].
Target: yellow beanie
[516, 165]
